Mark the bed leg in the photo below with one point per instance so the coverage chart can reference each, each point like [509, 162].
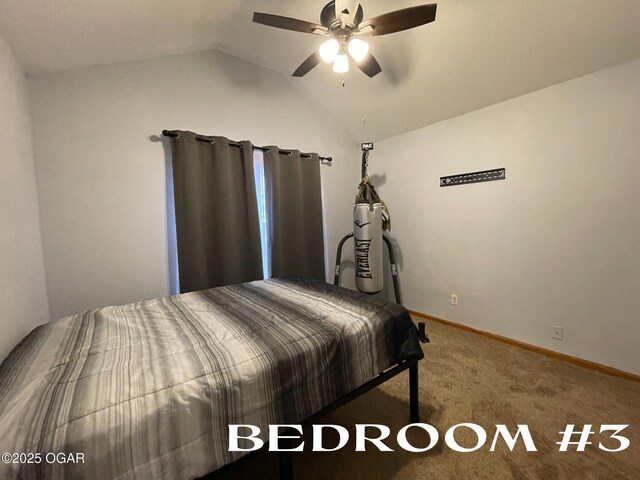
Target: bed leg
[414, 400]
[285, 465]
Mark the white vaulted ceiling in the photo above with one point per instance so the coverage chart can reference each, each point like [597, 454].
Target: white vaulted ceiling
[476, 53]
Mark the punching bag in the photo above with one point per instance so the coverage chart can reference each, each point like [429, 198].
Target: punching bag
[367, 234]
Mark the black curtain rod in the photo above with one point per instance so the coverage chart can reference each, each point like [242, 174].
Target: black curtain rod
[204, 138]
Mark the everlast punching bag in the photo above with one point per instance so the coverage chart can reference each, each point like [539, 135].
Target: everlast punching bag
[367, 234]
[370, 218]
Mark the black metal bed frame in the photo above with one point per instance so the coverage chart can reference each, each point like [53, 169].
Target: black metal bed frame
[286, 458]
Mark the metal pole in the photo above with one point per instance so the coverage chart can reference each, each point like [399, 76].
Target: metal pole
[202, 138]
[394, 270]
[336, 278]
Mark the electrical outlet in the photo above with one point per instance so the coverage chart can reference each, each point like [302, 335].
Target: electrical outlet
[557, 332]
[454, 299]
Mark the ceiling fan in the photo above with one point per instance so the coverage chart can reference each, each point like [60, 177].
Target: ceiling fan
[341, 21]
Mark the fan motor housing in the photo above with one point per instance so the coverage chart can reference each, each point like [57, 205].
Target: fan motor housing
[328, 16]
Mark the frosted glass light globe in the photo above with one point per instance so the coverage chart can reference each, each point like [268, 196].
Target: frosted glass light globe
[341, 63]
[329, 50]
[358, 49]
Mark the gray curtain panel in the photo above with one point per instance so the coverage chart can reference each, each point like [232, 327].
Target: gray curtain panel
[217, 224]
[294, 207]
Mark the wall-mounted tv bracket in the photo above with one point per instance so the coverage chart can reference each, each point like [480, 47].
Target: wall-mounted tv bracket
[474, 177]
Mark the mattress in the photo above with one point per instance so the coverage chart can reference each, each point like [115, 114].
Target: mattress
[147, 390]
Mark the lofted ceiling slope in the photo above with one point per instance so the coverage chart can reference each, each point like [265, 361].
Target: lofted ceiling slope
[476, 53]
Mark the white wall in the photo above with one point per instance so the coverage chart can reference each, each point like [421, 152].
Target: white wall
[23, 297]
[102, 180]
[558, 242]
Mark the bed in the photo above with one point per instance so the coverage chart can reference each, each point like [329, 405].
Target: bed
[147, 390]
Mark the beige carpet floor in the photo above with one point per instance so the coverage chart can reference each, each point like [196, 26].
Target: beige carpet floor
[468, 378]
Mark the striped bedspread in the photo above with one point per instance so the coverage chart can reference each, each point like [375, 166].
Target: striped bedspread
[147, 390]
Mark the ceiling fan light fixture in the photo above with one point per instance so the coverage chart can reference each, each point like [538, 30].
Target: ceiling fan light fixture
[341, 63]
[358, 49]
[329, 50]
[342, 25]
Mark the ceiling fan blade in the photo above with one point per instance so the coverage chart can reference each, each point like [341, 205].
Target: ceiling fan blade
[308, 65]
[400, 20]
[286, 23]
[369, 65]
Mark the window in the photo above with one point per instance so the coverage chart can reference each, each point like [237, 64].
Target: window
[258, 169]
